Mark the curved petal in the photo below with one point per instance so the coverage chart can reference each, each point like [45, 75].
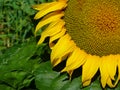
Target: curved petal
[119, 66]
[112, 66]
[55, 37]
[42, 6]
[48, 19]
[104, 73]
[54, 6]
[118, 62]
[109, 82]
[63, 47]
[108, 69]
[90, 68]
[51, 30]
[75, 60]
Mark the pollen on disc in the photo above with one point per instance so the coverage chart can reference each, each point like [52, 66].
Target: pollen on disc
[94, 25]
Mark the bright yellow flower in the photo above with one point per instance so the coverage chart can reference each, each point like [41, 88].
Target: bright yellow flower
[87, 34]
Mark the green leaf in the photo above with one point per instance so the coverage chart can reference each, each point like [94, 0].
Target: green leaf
[44, 76]
[47, 79]
[4, 87]
[17, 67]
[17, 55]
[72, 85]
[59, 82]
[16, 79]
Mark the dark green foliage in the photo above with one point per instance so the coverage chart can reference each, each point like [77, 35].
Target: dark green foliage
[17, 67]
[16, 21]
[22, 68]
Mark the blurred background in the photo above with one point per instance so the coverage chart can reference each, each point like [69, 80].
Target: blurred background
[16, 21]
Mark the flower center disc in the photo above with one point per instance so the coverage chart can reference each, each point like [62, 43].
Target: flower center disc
[94, 25]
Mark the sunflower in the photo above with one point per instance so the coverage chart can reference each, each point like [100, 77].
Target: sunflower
[85, 33]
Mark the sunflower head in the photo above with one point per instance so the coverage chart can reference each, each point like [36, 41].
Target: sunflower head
[94, 25]
[87, 34]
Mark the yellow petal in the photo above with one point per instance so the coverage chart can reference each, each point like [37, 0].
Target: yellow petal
[51, 30]
[54, 6]
[104, 71]
[48, 19]
[76, 59]
[108, 69]
[90, 68]
[112, 66]
[109, 82]
[63, 47]
[86, 83]
[55, 37]
[118, 66]
[43, 5]
[118, 62]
